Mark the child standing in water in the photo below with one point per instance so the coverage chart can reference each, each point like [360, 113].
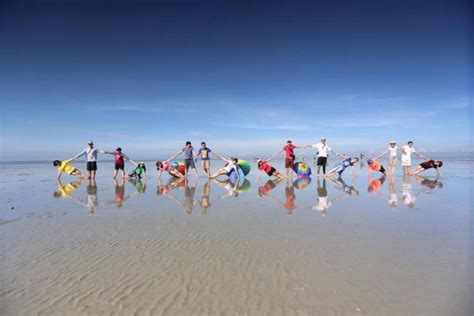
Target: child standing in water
[119, 159]
[189, 155]
[204, 152]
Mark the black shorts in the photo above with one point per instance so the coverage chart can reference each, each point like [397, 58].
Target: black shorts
[382, 169]
[271, 172]
[189, 163]
[322, 161]
[91, 165]
[120, 166]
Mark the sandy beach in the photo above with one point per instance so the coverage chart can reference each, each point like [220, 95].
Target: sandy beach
[244, 254]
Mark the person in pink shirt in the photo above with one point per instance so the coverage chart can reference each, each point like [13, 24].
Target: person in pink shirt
[167, 167]
[289, 156]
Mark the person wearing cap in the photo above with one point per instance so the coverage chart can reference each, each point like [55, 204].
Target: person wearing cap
[392, 158]
[289, 156]
[91, 156]
[119, 159]
[322, 150]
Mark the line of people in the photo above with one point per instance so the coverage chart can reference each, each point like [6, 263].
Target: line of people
[231, 164]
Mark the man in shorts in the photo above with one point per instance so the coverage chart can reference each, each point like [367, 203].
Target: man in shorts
[322, 150]
[189, 155]
[204, 152]
[289, 156]
[91, 156]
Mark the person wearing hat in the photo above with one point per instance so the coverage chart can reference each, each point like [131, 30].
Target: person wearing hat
[91, 156]
[263, 166]
[322, 150]
[393, 156]
[119, 159]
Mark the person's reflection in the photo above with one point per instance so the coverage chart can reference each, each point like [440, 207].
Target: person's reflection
[92, 201]
[375, 184]
[289, 205]
[173, 183]
[120, 197]
[393, 188]
[428, 183]
[140, 185]
[65, 190]
[323, 202]
[231, 187]
[166, 190]
[408, 197]
[205, 202]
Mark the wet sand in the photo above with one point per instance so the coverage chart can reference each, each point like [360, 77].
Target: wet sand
[270, 249]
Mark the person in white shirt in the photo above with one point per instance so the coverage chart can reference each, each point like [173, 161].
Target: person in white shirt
[407, 151]
[322, 150]
[392, 158]
[91, 156]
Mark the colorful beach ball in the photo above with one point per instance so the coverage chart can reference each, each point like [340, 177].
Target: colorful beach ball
[302, 170]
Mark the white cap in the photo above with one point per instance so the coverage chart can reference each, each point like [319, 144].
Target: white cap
[259, 160]
[90, 142]
[323, 138]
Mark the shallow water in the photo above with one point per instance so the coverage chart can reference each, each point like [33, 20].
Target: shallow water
[324, 247]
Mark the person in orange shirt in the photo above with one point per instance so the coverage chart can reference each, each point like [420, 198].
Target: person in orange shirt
[374, 165]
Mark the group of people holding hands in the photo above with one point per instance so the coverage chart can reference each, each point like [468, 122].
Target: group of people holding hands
[231, 164]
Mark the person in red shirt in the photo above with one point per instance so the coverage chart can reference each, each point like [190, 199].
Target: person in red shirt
[289, 156]
[263, 166]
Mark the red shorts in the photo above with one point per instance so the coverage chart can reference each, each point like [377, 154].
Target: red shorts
[289, 163]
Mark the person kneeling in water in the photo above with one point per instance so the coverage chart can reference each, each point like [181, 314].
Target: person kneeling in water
[64, 166]
[340, 167]
[376, 166]
[228, 168]
[428, 165]
[269, 170]
[139, 171]
[166, 166]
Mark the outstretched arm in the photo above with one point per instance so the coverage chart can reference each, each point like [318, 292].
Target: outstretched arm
[274, 155]
[219, 156]
[82, 153]
[380, 155]
[421, 156]
[339, 154]
[174, 156]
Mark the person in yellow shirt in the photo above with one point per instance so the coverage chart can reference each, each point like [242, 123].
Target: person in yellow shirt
[65, 166]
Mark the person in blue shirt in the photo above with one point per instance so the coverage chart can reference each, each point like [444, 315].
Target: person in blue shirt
[340, 167]
[205, 158]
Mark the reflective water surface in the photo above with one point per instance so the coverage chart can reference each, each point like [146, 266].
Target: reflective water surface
[394, 245]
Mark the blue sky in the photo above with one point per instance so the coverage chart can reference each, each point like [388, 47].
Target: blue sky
[245, 77]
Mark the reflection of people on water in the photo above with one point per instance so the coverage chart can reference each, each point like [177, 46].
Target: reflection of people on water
[230, 186]
[120, 197]
[375, 184]
[408, 197]
[205, 202]
[323, 203]
[139, 185]
[290, 196]
[429, 184]
[393, 188]
[166, 190]
[65, 190]
[92, 201]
